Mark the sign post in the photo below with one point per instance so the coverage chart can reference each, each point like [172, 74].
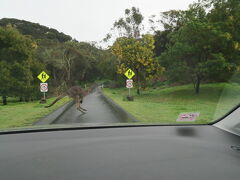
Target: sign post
[43, 77]
[129, 83]
[44, 89]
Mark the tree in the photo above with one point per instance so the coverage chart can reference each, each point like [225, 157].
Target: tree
[137, 55]
[5, 81]
[81, 60]
[16, 52]
[69, 54]
[132, 51]
[161, 41]
[74, 62]
[129, 26]
[172, 20]
[50, 53]
[194, 54]
[225, 15]
[107, 65]
[202, 42]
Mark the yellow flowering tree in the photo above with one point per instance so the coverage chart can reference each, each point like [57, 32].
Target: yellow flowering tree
[138, 55]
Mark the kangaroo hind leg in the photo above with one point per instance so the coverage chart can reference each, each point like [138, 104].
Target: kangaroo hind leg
[78, 105]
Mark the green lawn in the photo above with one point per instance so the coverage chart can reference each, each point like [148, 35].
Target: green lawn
[19, 114]
[163, 105]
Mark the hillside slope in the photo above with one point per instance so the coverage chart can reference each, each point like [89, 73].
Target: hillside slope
[36, 30]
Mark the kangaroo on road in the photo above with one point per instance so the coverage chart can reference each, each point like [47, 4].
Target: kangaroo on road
[76, 93]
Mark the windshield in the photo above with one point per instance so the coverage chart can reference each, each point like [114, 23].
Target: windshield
[87, 63]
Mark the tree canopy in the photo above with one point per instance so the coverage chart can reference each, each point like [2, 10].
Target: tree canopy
[137, 54]
[16, 56]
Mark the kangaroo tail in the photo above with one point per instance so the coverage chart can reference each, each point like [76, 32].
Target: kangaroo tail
[56, 100]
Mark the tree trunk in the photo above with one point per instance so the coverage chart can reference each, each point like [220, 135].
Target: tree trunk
[21, 99]
[138, 86]
[197, 86]
[68, 69]
[54, 77]
[26, 99]
[4, 100]
[138, 91]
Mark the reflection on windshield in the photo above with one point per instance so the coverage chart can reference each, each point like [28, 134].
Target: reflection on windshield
[176, 67]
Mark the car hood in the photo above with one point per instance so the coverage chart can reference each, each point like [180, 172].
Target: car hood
[160, 152]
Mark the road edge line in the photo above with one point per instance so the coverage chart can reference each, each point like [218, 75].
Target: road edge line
[54, 115]
[118, 109]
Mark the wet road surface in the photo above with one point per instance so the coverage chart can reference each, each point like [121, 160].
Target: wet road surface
[98, 111]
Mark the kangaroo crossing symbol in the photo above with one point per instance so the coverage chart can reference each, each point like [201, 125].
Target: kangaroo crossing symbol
[43, 76]
[129, 74]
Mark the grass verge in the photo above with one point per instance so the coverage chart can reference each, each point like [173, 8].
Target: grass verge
[163, 105]
[19, 114]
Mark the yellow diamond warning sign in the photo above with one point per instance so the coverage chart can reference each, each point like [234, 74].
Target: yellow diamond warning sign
[129, 74]
[43, 76]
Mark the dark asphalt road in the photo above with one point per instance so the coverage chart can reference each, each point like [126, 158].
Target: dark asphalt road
[98, 111]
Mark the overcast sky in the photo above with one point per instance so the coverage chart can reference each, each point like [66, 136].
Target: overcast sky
[84, 20]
